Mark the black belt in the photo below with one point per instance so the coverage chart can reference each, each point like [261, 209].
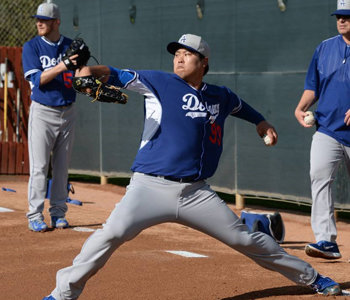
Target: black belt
[187, 179]
[58, 106]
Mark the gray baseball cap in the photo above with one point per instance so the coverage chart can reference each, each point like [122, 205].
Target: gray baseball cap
[47, 11]
[343, 8]
[191, 42]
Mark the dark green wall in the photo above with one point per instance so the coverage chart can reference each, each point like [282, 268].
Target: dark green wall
[258, 51]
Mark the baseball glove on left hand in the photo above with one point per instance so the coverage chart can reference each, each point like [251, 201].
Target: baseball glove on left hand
[94, 88]
[79, 47]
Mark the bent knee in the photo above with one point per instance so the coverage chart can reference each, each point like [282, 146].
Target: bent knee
[122, 231]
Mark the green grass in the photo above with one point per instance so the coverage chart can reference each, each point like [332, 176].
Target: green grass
[84, 178]
[279, 204]
[268, 203]
[261, 202]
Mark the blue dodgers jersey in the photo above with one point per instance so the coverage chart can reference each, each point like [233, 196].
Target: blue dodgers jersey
[40, 54]
[184, 127]
[329, 76]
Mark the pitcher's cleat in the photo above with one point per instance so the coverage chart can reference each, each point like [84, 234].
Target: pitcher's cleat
[49, 298]
[326, 286]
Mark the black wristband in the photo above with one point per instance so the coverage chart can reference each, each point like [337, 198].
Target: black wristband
[68, 63]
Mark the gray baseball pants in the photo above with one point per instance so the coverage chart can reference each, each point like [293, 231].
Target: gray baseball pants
[49, 130]
[325, 156]
[152, 200]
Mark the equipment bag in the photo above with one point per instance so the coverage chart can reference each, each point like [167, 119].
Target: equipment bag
[271, 224]
[70, 188]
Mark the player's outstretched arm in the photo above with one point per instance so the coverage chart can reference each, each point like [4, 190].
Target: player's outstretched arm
[91, 81]
[99, 71]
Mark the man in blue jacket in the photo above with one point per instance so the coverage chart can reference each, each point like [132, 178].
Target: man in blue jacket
[328, 82]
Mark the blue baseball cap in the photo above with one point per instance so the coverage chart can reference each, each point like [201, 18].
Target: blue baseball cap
[47, 11]
[343, 8]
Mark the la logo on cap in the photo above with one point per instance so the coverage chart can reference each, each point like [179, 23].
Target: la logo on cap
[343, 8]
[343, 4]
[183, 39]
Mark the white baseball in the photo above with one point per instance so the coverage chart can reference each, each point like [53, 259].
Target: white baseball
[267, 140]
[309, 119]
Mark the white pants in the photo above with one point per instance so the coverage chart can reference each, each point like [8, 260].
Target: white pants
[325, 156]
[49, 130]
[150, 201]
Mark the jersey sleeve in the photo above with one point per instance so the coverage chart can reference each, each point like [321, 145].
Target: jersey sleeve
[248, 113]
[35, 78]
[30, 61]
[121, 78]
[243, 110]
[143, 82]
[312, 77]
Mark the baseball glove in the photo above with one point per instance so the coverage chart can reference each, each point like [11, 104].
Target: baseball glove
[94, 88]
[79, 47]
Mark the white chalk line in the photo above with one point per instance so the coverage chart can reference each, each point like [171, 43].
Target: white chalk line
[83, 229]
[186, 253]
[4, 209]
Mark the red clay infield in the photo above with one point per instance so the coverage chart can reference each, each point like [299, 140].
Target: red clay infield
[141, 268]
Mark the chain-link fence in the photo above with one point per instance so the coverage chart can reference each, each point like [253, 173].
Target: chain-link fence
[16, 25]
